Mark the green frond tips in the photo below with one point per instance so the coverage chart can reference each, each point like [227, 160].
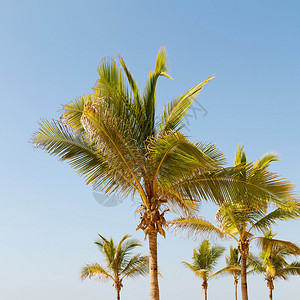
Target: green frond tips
[240, 156]
[162, 64]
[265, 161]
[175, 111]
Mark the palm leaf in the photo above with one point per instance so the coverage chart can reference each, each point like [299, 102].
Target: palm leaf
[195, 227]
[175, 112]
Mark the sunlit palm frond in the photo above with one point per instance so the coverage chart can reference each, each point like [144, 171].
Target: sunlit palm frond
[270, 245]
[113, 139]
[265, 161]
[173, 156]
[137, 265]
[161, 69]
[264, 221]
[58, 140]
[195, 227]
[112, 82]
[131, 81]
[94, 270]
[176, 110]
[256, 263]
[189, 266]
[176, 202]
[292, 269]
[229, 270]
[73, 112]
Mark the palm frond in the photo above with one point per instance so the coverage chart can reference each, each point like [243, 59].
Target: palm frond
[58, 140]
[73, 112]
[173, 156]
[176, 110]
[195, 227]
[132, 82]
[266, 220]
[292, 269]
[265, 161]
[137, 265]
[94, 270]
[270, 245]
[229, 270]
[161, 69]
[113, 139]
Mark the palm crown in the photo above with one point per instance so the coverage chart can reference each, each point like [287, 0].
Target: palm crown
[119, 262]
[205, 259]
[272, 259]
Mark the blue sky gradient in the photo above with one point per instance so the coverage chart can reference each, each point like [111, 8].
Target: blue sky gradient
[49, 54]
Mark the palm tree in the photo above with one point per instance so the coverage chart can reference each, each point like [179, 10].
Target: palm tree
[272, 260]
[119, 262]
[204, 262]
[233, 267]
[245, 214]
[111, 137]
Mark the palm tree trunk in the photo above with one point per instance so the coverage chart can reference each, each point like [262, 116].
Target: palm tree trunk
[270, 293]
[118, 295]
[244, 250]
[153, 274]
[235, 289]
[204, 286]
[270, 284]
[244, 276]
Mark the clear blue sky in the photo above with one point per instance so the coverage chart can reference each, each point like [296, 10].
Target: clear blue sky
[49, 55]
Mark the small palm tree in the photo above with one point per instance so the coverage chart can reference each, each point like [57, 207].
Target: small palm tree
[233, 267]
[272, 260]
[119, 262]
[244, 215]
[204, 262]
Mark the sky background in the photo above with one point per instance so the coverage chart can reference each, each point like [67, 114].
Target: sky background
[49, 55]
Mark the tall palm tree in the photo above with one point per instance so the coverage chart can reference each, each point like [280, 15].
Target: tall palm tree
[233, 267]
[244, 215]
[114, 139]
[272, 260]
[205, 259]
[119, 262]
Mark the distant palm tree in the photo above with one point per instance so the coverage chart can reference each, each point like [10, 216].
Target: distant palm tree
[233, 267]
[204, 262]
[119, 262]
[243, 215]
[272, 260]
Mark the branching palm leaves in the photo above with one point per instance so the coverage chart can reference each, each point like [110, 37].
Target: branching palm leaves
[119, 262]
[205, 259]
